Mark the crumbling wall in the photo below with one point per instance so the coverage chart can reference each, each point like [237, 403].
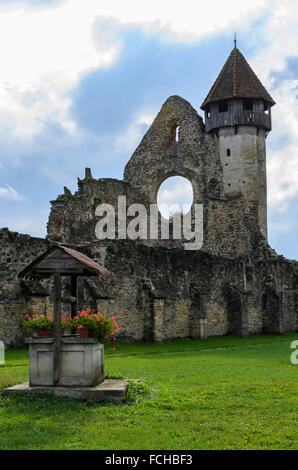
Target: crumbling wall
[16, 251]
[230, 225]
[72, 218]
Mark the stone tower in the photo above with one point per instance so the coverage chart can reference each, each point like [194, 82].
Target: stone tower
[238, 116]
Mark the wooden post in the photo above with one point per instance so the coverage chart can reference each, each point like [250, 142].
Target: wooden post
[74, 293]
[57, 328]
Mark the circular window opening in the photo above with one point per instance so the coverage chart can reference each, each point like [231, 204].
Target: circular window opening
[175, 195]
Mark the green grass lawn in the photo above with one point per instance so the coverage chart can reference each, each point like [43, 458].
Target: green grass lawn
[219, 393]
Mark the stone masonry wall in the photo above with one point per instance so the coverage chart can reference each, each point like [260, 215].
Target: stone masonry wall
[160, 294]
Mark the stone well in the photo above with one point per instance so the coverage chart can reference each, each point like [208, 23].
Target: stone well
[81, 362]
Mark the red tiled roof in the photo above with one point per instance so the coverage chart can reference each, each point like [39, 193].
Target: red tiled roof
[236, 80]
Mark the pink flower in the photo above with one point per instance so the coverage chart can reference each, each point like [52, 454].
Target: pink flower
[114, 348]
[80, 326]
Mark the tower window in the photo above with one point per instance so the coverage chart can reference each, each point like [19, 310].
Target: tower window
[208, 114]
[266, 108]
[223, 106]
[248, 105]
[177, 133]
[228, 152]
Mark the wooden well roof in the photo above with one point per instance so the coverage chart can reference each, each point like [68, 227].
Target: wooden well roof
[237, 80]
[62, 260]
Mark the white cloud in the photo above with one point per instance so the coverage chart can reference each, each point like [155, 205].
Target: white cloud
[10, 193]
[44, 51]
[43, 54]
[192, 20]
[280, 35]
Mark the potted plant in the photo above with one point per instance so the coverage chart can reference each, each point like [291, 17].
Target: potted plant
[43, 325]
[96, 325]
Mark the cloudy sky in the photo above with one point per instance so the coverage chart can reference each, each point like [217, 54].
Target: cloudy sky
[81, 82]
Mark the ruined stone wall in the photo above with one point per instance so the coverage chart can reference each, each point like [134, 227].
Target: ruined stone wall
[158, 294]
[234, 284]
[230, 224]
[159, 155]
[16, 251]
[72, 218]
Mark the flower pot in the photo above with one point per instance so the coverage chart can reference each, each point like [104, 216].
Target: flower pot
[84, 333]
[46, 331]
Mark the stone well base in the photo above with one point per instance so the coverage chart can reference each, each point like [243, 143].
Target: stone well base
[109, 389]
[82, 362]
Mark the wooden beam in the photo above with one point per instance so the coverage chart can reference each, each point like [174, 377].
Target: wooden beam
[57, 328]
[64, 271]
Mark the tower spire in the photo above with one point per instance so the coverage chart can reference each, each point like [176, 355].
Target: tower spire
[235, 40]
[237, 80]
